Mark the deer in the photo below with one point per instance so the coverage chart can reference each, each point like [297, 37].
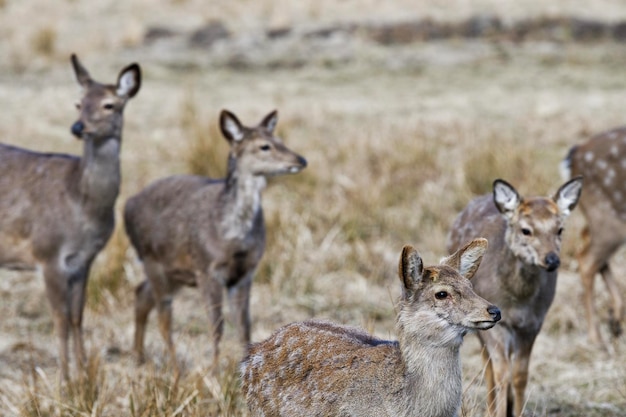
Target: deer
[601, 160]
[57, 210]
[196, 231]
[319, 368]
[519, 274]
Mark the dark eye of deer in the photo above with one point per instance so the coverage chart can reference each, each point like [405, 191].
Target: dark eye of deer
[441, 295]
[265, 147]
[526, 232]
[108, 106]
[560, 231]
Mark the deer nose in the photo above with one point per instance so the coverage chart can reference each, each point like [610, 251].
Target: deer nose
[495, 313]
[552, 261]
[302, 161]
[77, 129]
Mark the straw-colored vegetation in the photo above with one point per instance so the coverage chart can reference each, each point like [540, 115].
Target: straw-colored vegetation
[398, 138]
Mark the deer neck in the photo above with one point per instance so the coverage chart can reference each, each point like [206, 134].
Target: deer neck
[240, 202]
[432, 369]
[99, 179]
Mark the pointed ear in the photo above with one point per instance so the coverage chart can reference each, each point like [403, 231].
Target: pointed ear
[567, 196]
[129, 81]
[410, 269]
[82, 76]
[269, 121]
[505, 197]
[231, 126]
[467, 259]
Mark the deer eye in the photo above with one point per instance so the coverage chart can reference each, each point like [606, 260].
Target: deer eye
[108, 106]
[441, 295]
[560, 232]
[526, 231]
[265, 147]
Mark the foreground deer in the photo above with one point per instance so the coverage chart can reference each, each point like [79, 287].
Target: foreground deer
[602, 162]
[191, 230]
[56, 211]
[519, 274]
[317, 368]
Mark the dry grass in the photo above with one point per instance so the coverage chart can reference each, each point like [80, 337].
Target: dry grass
[398, 140]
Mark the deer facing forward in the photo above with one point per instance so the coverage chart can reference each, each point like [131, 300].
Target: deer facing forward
[196, 231]
[317, 368]
[56, 211]
[519, 274]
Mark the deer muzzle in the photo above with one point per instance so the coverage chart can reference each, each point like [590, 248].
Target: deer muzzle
[552, 261]
[77, 129]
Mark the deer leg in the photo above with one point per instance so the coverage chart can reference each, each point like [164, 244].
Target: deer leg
[500, 376]
[491, 388]
[163, 297]
[588, 267]
[617, 303]
[144, 303]
[520, 381]
[211, 286]
[77, 287]
[239, 303]
[57, 293]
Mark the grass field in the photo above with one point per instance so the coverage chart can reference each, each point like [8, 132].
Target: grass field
[398, 138]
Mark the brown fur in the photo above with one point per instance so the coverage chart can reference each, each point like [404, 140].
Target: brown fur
[56, 211]
[318, 368]
[191, 230]
[519, 274]
[601, 161]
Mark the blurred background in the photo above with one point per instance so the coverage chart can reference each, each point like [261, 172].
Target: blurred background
[404, 111]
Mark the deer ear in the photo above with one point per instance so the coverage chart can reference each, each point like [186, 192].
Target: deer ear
[410, 269]
[567, 196]
[82, 76]
[505, 197]
[269, 121]
[467, 259]
[129, 81]
[231, 126]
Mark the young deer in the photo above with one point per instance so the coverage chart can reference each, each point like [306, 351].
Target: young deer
[519, 274]
[190, 230]
[602, 162]
[317, 368]
[56, 211]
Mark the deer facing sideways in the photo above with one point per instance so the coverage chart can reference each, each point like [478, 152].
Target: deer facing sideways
[519, 274]
[57, 211]
[196, 231]
[317, 368]
[602, 162]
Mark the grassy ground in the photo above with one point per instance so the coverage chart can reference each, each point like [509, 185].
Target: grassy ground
[398, 139]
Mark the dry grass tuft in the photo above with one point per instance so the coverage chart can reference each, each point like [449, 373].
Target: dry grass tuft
[44, 41]
[208, 150]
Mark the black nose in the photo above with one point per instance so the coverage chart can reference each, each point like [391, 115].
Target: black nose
[302, 161]
[495, 313]
[77, 129]
[552, 261]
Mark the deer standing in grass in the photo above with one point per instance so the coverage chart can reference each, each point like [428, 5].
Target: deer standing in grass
[318, 368]
[56, 211]
[210, 233]
[602, 162]
[519, 274]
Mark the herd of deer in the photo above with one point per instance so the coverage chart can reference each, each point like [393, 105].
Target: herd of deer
[56, 215]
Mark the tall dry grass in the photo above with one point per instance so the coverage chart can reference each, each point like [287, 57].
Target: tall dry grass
[398, 141]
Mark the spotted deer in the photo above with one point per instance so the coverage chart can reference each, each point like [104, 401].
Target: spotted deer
[602, 162]
[195, 231]
[519, 274]
[318, 368]
[56, 211]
